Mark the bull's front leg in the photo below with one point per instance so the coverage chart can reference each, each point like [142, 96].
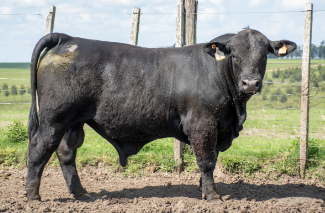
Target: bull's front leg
[206, 158]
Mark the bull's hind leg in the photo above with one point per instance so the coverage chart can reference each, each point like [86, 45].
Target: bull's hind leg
[45, 141]
[67, 157]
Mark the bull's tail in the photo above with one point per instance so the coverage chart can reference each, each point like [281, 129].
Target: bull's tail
[45, 43]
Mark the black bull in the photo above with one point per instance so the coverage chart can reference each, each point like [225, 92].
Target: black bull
[132, 95]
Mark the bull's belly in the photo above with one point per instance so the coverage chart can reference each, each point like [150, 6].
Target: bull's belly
[131, 129]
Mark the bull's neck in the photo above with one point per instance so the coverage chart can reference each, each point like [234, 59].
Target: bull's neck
[226, 74]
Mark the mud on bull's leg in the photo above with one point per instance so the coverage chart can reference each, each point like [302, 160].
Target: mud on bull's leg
[67, 157]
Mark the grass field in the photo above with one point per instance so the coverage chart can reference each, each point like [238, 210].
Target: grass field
[267, 144]
[275, 63]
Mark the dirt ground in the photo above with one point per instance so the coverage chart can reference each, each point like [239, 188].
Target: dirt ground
[161, 192]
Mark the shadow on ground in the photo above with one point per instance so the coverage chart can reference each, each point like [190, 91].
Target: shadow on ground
[237, 191]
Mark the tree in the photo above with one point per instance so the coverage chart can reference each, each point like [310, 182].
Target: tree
[22, 91]
[4, 87]
[276, 74]
[321, 50]
[278, 91]
[319, 67]
[322, 77]
[274, 97]
[283, 99]
[289, 90]
[264, 97]
[298, 52]
[14, 91]
[313, 51]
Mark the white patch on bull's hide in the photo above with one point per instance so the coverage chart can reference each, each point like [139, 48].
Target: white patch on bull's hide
[219, 55]
[72, 48]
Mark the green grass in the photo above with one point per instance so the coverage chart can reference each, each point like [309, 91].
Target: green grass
[275, 63]
[12, 76]
[267, 144]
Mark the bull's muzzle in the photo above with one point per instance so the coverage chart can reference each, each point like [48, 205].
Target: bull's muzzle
[251, 86]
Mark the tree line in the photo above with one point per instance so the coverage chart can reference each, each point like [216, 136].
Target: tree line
[13, 90]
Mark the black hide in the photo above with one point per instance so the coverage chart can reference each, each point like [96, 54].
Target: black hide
[132, 95]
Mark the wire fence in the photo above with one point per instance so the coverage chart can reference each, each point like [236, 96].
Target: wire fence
[262, 103]
[220, 157]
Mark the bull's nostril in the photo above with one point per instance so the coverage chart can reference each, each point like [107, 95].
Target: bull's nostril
[244, 83]
[257, 84]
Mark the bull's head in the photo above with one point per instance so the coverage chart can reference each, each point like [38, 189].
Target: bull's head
[248, 51]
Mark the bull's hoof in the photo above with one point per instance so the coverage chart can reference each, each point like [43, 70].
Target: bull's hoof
[211, 196]
[33, 197]
[32, 193]
[82, 197]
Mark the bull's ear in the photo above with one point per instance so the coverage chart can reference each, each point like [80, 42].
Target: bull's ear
[282, 48]
[216, 47]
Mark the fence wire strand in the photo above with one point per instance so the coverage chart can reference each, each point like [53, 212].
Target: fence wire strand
[144, 13]
[220, 157]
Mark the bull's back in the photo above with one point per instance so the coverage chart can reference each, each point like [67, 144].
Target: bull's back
[122, 88]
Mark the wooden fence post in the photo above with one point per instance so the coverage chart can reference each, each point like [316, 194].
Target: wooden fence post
[180, 41]
[50, 20]
[304, 123]
[180, 26]
[190, 21]
[185, 35]
[135, 26]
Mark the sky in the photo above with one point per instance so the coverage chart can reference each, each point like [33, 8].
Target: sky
[111, 21]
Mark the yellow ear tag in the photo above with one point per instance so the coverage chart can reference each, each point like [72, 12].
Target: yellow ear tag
[219, 55]
[283, 49]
